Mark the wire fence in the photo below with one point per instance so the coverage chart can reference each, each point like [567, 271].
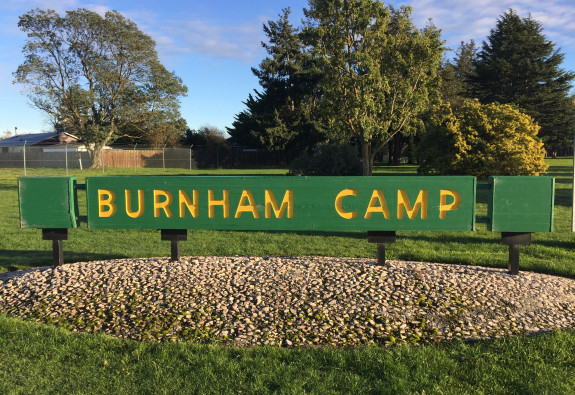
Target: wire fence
[73, 156]
[68, 156]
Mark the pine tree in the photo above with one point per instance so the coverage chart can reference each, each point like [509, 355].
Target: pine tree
[456, 76]
[519, 65]
[283, 116]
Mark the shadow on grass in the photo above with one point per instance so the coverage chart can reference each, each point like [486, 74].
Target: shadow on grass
[359, 235]
[563, 197]
[489, 238]
[467, 238]
[556, 243]
[560, 171]
[17, 259]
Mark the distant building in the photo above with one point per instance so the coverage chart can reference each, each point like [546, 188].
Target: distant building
[15, 143]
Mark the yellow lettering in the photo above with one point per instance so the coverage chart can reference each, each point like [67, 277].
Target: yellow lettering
[404, 204]
[250, 207]
[106, 202]
[162, 205]
[193, 207]
[443, 206]
[131, 213]
[271, 203]
[339, 207]
[377, 196]
[225, 202]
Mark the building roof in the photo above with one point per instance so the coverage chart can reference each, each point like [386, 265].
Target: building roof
[32, 139]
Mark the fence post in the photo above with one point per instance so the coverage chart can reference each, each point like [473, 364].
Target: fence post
[24, 151]
[66, 158]
[102, 158]
[135, 158]
[191, 157]
[164, 157]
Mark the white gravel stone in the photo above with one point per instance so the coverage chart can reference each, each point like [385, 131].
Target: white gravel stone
[289, 301]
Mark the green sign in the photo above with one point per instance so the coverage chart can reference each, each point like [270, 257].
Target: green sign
[47, 202]
[521, 204]
[282, 203]
[516, 204]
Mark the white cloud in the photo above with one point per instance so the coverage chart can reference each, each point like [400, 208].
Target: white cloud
[98, 9]
[462, 20]
[207, 38]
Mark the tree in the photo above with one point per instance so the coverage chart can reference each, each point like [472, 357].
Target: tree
[206, 135]
[456, 77]
[379, 71]
[212, 150]
[329, 159]
[481, 140]
[96, 76]
[283, 116]
[517, 64]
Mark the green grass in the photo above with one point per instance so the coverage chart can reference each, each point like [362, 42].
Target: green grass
[550, 252]
[40, 359]
[43, 359]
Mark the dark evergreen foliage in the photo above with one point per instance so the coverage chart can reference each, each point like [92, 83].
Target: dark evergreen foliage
[328, 160]
[283, 116]
[519, 65]
[456, 75]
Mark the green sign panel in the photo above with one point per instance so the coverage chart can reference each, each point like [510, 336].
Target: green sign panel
[282, 203]
[47, 202]
[521, 204]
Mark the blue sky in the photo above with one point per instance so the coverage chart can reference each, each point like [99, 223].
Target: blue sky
[211, 45]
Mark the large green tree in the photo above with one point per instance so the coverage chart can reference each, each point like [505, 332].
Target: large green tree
[97, 76]
[380, 71]
[283, 114]
[519, 65]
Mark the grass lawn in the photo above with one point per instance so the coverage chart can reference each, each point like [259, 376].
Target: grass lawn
[42, 359]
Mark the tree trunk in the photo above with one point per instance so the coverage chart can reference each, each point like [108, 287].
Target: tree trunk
[392, 152]
[395, 148]
[367, 160]
[96, 156]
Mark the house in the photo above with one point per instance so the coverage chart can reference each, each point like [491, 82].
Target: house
[15, 143]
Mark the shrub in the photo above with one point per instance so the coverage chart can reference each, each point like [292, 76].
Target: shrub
[328, 160]
[481, 140]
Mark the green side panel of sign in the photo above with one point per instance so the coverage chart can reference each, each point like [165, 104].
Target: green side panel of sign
[47, 202]
[521, 204]
[255, 203]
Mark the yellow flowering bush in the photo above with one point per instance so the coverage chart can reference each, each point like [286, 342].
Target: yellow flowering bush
[481, 140]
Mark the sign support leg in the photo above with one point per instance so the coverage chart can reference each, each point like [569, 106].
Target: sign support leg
[57, 236]
[57, 252]
[514, 240]
[381, 254]
[174, 236]
[513, 264]
[381, 238]
[175, 250]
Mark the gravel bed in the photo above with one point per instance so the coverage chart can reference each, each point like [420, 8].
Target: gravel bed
[289, 301]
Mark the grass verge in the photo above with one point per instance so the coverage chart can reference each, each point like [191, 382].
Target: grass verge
[552, 253]
[42, 359]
